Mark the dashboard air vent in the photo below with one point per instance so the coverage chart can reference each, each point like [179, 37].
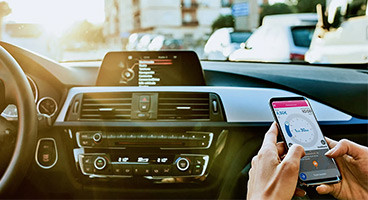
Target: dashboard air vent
[106, 106]
[183, 106]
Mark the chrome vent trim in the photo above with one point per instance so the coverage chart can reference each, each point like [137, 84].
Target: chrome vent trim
[183, 106]
[106, 106]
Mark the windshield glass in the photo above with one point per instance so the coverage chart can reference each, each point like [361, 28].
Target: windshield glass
[231, 30]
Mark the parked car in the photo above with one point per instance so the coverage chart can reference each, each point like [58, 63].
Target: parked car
[340, 44]
[281, 38]
[223, 42]
[172, 44]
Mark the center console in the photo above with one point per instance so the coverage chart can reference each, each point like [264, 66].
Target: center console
[124, 155]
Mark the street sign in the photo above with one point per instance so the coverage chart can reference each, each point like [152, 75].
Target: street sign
[240, 9]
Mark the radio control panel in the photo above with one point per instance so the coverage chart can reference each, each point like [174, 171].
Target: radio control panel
[116, 140]
[149, 166]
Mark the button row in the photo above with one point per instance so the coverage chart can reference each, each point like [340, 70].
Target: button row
[183, 166]
[168, 140]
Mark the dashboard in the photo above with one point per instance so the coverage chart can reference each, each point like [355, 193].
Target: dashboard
[166, 125]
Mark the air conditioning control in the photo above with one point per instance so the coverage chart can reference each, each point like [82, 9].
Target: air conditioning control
[182, 164]
[155, 166]
[100, 163]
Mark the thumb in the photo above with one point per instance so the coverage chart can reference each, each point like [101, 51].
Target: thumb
[345, 147]
[295, 153]
[325, 189]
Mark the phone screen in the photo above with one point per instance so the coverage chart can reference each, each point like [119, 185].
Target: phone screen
[299, 126]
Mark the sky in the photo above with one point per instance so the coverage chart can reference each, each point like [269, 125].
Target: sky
[56, 15]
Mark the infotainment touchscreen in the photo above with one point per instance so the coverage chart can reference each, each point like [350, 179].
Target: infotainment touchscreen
[160, 68]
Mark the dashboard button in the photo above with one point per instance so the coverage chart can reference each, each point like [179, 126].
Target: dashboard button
[87, 169]
[127, 170]
[146, 170]
[100, 163]
[87, 160]
[118, 169]
[97, 137]
[172, 136]
[162, 136]
[203, 143]
[199, 161]
[197, 170]
[156, 170]
[46, 153]
[86, 142]
[182, 164]
[166, 170]
[182, 136]
[151, 136]
[144, 103]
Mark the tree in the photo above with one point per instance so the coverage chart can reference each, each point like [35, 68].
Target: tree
[308, 6]
[4, 11]
[277, 8]
[223, 21]
[305, 6]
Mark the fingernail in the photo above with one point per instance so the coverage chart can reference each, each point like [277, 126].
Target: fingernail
[305, 193]
[329, 152]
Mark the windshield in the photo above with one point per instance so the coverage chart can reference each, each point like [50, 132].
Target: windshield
[231, 30]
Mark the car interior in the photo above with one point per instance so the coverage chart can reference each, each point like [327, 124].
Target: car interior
[108, 129]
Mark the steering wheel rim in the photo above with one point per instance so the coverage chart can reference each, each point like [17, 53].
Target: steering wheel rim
[25, 142]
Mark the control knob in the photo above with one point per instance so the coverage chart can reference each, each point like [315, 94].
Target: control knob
[182, 164]
[97, 137]
[100, 163]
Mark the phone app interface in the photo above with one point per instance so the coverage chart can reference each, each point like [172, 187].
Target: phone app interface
[299, 126]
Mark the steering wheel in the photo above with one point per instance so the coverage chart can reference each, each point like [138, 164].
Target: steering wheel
[17, 145]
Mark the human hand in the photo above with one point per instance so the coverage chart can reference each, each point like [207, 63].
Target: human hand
[352, 160]
[273, 178]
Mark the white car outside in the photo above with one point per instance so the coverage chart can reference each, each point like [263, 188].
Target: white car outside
[281, 38]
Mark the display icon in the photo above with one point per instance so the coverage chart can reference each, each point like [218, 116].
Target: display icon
[303, 176]
[315, 163]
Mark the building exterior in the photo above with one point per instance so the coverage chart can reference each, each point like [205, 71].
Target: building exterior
[180, 19]
[246, 14]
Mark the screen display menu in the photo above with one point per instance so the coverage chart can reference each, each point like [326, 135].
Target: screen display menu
[175, 68]
[299, 126]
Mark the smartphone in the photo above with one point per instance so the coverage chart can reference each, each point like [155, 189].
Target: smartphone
[298, 125]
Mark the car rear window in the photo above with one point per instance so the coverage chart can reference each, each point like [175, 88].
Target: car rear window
[302, 35]
[239, 37]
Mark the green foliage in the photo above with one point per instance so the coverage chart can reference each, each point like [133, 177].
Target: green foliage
[357, 8]
[291, 6]
[308, 6]
[223, 21]
[277, 8]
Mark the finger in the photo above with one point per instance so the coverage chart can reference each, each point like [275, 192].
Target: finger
[281, 148]
[271, 135]
[325, 189]
[345, 147]
[293, 156]
[331, 143]
[299, 192]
